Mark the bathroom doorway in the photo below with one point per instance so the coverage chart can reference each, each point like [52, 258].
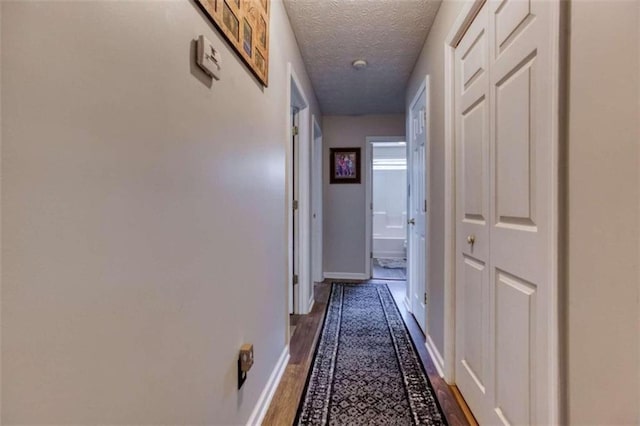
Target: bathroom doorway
[388, 208]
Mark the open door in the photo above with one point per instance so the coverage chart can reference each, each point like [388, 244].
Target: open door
[317, 269]
[295, 266]
[417, 219]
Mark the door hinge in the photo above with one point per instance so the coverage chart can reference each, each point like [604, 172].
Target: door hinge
[425, 206]
[295, 279]
[425, 297]
[295, 204]
[295, 130]
[371, 206]
[370, 255]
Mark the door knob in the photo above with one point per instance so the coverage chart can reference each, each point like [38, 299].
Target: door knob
[411, 221]
[471, 239]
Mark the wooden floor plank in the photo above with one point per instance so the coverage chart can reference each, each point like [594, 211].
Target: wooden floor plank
[284, 404]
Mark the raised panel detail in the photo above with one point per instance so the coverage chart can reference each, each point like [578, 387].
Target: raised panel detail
[473, 190]
[512, 17]
[473, 308]
[474, 61]
[514, 145]
[515, 307]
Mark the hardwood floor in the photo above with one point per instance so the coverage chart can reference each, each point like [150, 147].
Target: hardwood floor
[284, 404]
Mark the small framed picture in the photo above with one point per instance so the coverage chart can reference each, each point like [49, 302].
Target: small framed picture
[345, 165]
[247, 38]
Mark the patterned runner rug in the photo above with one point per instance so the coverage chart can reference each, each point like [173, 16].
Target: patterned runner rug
[366, 369]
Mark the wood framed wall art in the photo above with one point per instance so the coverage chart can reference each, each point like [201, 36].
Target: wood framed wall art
[345, 165]
[245, 25]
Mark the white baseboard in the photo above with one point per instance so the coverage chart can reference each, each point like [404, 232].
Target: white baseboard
[388, 254]
[435, 355]
[310, 306]
[407, 304]
[260, 410]
[345, 276]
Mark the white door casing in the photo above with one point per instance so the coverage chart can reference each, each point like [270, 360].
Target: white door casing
[316, 202]
[506, 150]
[298, 171]
[417, 217]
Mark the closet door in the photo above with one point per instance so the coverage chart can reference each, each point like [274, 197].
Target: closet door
[505, 106]
[474, 369]
[522, 102]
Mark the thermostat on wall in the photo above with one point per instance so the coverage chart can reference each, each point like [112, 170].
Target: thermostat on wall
[208, 58]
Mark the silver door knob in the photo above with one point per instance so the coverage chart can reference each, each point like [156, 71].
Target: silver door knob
[471, 239]
[411, 221]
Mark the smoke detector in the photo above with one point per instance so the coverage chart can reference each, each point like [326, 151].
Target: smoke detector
[359, 64]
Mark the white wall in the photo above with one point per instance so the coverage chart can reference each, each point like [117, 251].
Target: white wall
[431, 62]
[603, 254]
[344, 204]
[134, 264]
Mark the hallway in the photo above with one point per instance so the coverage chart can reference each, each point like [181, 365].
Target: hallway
[177, 176]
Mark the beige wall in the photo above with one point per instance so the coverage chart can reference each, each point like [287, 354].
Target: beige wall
[431, 62]
[601, 310]
[344, 205]
[133, 266]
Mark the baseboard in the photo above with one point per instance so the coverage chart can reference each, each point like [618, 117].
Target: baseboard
[310, 306]
[407, 304]
[437, 359]
[345, 276]
[260, 410]
[378, 254]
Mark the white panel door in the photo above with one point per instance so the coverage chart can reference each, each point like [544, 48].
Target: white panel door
[294, 288]
[522, 143]
[316, 211]
[504, 146]
[417, 210]
[474, 371]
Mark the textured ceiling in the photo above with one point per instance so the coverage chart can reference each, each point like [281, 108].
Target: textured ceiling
[388, 34]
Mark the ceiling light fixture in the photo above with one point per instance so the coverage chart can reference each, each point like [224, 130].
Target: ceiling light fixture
[359, 64]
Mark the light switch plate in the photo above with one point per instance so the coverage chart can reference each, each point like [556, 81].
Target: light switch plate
[208, 58]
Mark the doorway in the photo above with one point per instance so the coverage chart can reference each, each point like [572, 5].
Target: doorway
[389, 210]
[295, 206]
[298, 203]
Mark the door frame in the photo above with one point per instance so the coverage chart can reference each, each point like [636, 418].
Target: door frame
[458, 29]
[368, 205]
[297, 301]
[317, 268]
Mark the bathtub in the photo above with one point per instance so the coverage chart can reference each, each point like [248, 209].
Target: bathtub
[389, 235]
